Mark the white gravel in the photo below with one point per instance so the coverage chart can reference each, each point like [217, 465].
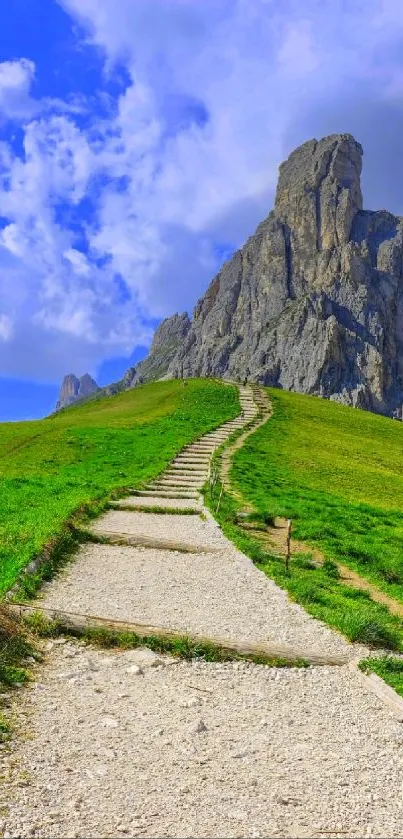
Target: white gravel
[199, 750]
[220, 594]
[189, 529]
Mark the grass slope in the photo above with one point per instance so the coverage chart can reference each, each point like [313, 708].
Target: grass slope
[336, 472]
[52, 468]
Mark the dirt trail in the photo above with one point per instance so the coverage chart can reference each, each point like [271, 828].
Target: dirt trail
[275, 537]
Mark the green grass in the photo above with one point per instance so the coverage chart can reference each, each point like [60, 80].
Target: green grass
[389, 668]
[15, 646]
[295, 466]
[155, 508]
[77, 461]
[337, 473]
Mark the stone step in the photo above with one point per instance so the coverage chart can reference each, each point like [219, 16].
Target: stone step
[183, 478]
[158, 543]
[192, 462]
[179, 485]
[146, 503]
[206, 448]
[206, 452]
[177, 480]
[190, 452]
[155, 493]
[175, 474]
[266, 650]
[192, 470]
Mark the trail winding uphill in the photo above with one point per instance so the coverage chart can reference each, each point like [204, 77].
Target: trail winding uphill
[130, 743]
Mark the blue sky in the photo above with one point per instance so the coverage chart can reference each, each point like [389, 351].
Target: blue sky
[139, 146]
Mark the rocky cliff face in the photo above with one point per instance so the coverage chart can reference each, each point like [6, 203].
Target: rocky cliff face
[74, 389]
[314, 300]
[166, 344]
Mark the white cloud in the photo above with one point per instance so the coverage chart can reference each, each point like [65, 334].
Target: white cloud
[16, 100]
[299, 54]
[16, 78]
[6, 328]
[187, 159]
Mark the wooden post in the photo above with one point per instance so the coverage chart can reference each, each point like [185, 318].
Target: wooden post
[288, 547]
[219, 500]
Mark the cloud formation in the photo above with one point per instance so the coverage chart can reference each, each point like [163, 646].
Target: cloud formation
[117, 207]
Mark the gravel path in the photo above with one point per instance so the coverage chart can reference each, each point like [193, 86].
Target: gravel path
[200, 750]
[185, 528]
[168, 503]
[220, 594]
[124, 744]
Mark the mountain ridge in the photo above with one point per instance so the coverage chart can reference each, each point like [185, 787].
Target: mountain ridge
[313, 301]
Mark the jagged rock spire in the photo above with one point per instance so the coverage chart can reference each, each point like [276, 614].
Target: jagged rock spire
[73, 389]
[313, 302]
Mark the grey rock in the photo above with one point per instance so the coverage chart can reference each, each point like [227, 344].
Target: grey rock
[199, 728]
[167, 341]
[134, 670]
[314, 300]
[74, 390]
[144, 657]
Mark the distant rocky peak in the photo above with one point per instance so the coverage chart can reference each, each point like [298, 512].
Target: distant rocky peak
[87, 385]
[74, 388]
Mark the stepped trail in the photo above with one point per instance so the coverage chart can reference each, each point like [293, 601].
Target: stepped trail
[130, 743]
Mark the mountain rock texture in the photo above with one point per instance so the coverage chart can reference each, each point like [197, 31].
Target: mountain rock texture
[314, 300]
[167, 342]
[74, 389]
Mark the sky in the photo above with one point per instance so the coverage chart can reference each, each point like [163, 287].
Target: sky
[139, 147]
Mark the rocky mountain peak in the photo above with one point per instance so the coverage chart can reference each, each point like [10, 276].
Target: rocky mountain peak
[318, 196]
[313, 302]
[167, 340]
[74, 388]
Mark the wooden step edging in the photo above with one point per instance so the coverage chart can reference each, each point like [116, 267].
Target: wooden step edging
[162, 511]
[160, 493]
[108, 537]
[248, 649]
[374, 684]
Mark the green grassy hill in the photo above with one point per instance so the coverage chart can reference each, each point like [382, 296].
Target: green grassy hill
[337, 473]
[52, 468]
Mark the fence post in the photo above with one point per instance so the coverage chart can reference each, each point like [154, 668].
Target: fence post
[288, 546]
